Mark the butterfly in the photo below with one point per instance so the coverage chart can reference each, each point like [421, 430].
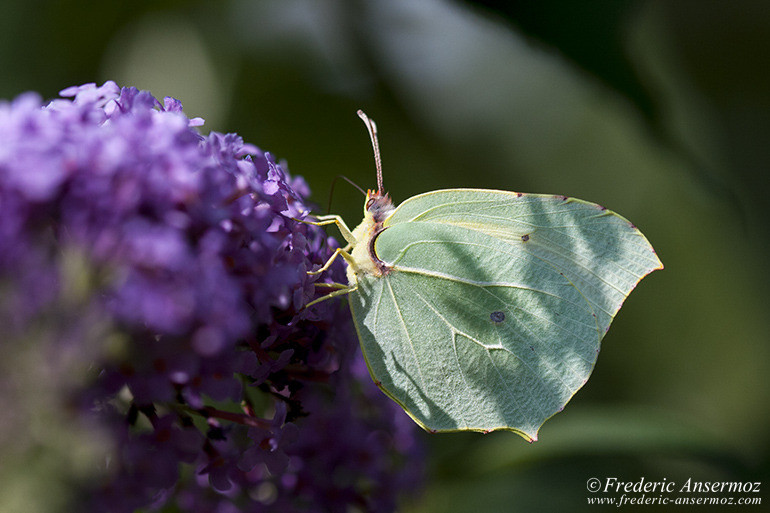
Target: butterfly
[483, 309]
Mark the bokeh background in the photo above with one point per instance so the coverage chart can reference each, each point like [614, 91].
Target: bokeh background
[658, 110]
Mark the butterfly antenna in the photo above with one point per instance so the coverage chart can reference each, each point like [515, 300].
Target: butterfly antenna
[334, 183]
[372, 127]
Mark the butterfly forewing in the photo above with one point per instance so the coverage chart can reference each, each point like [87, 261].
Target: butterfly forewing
[601, 254]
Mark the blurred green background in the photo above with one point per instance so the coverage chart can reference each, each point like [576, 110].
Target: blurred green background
[658, 110]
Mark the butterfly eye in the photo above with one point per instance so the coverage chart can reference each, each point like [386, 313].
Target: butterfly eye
[497, 317]
[369, 203]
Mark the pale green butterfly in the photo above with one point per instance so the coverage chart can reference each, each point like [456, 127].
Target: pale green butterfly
[481, 309]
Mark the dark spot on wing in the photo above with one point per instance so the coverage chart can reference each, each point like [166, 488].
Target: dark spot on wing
[525, 237]
[497, 317]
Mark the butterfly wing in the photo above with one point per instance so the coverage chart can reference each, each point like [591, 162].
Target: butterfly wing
[493, 311]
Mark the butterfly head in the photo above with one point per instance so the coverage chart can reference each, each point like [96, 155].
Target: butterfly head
[378, 205]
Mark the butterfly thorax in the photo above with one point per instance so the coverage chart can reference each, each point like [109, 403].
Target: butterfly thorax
[377, 208]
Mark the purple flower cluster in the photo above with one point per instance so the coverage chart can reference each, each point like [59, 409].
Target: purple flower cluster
[217, 391]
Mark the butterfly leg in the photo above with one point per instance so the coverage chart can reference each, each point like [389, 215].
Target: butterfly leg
[341, 292]
[331, 285]
[337, 252]
[336, 220]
